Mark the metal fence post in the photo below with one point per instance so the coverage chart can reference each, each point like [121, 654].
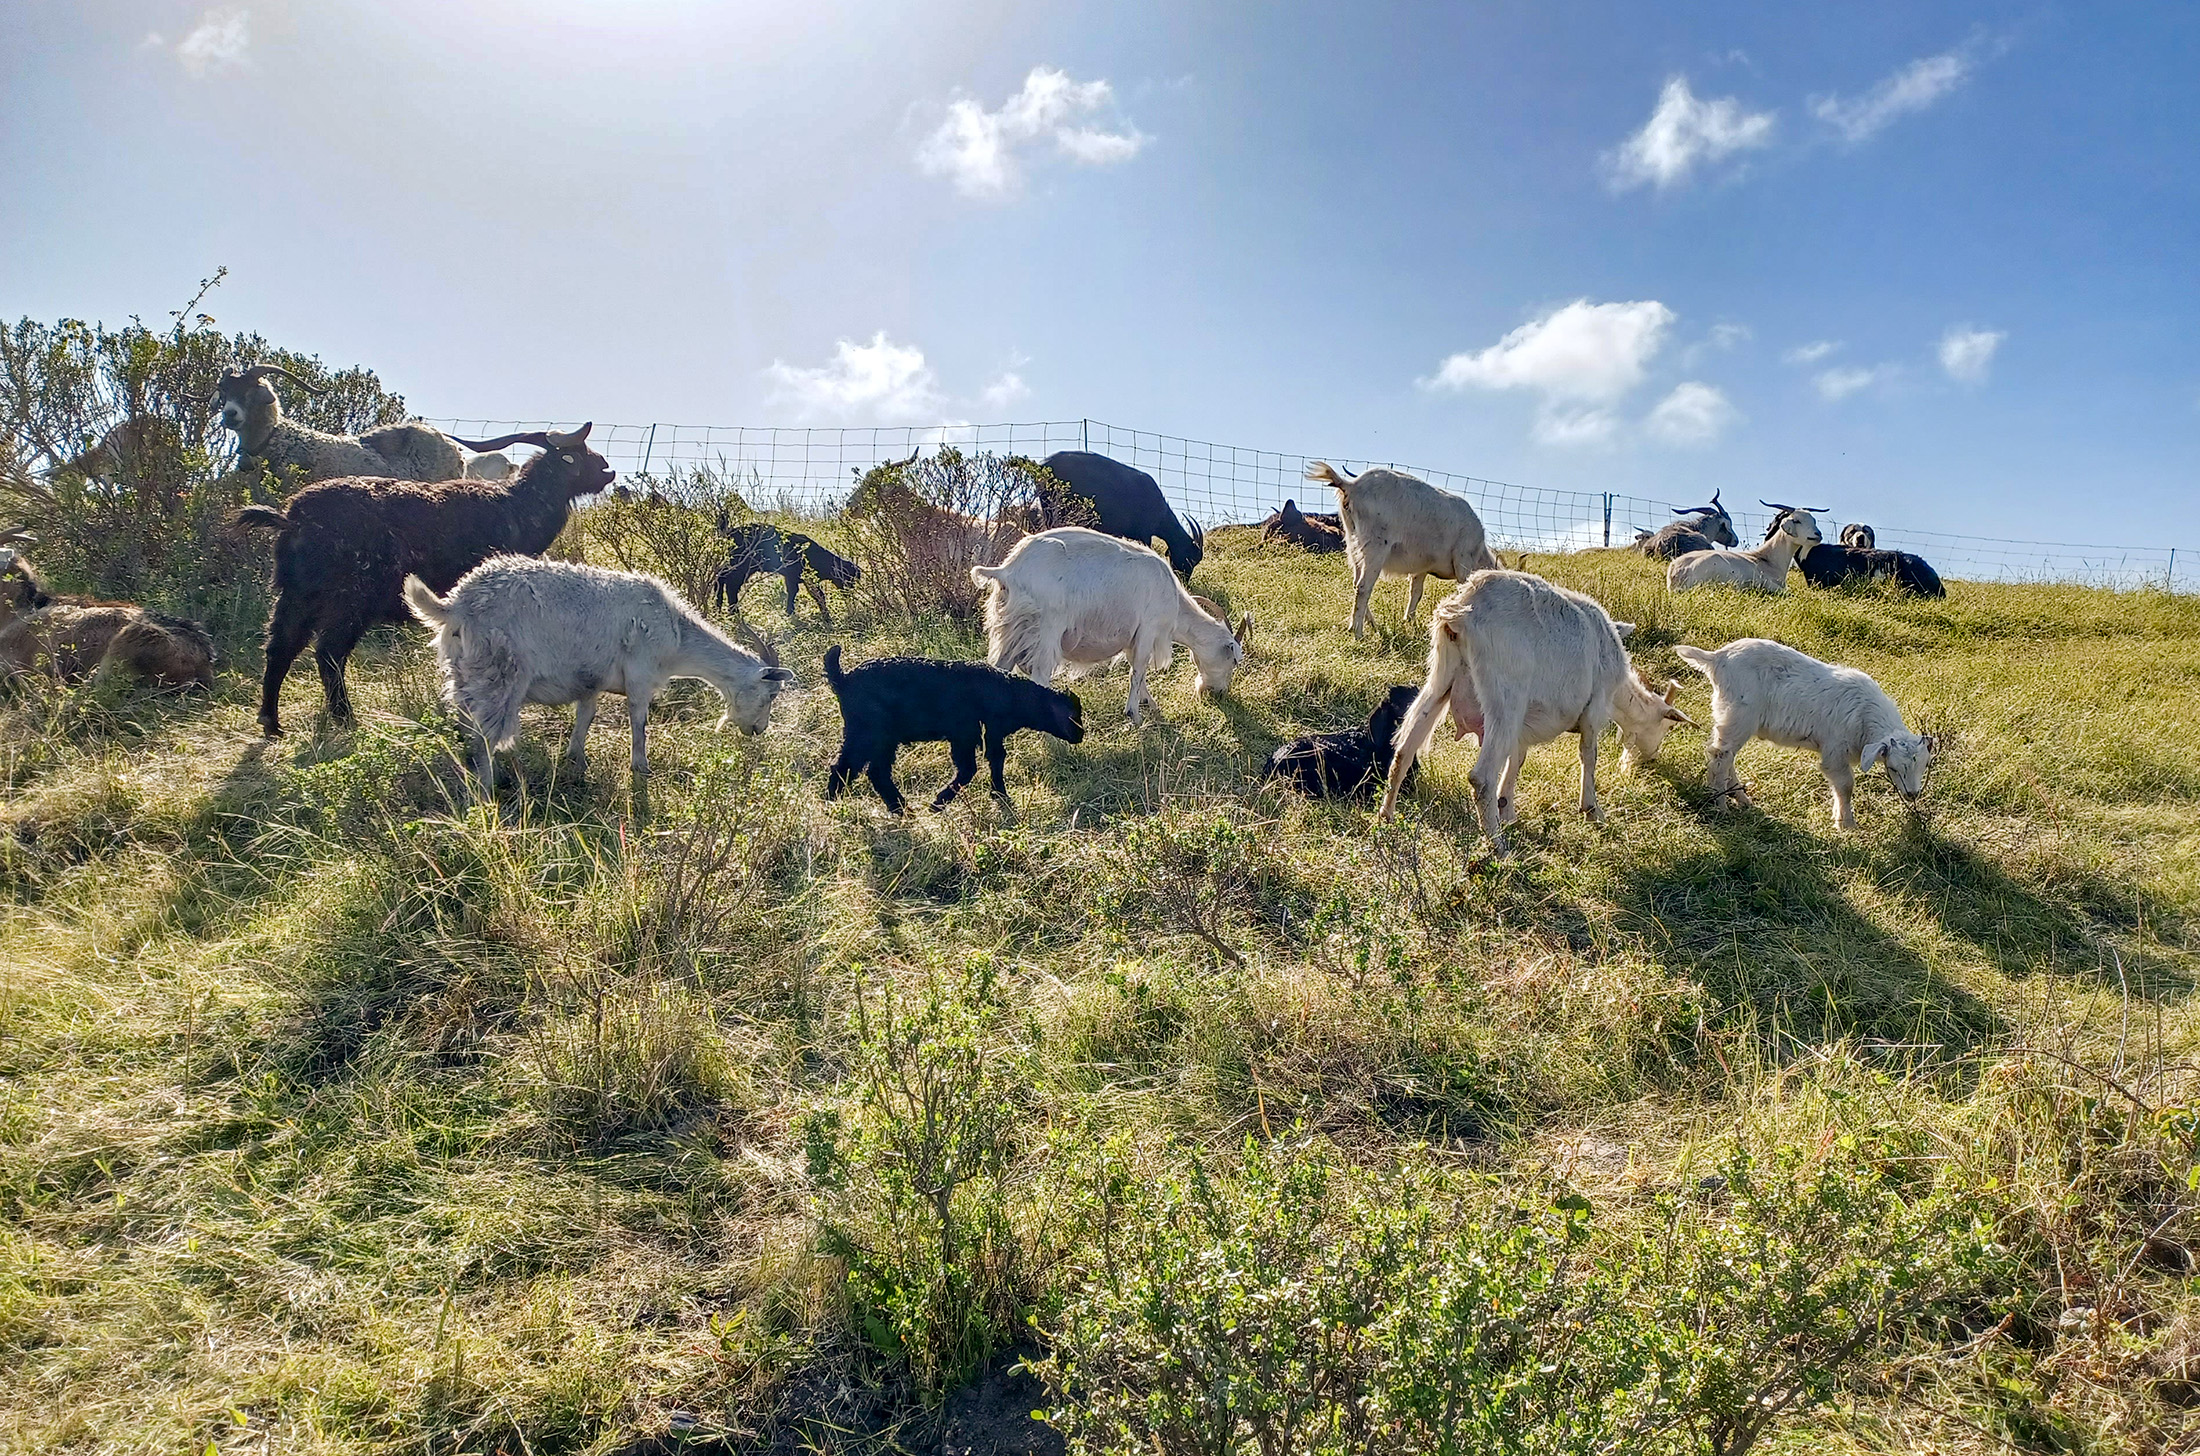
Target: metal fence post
[2169, 577]
[1607, 518]
[1084, 435]
[648, 448]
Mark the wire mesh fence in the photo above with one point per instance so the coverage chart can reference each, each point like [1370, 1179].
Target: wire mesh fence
[811, 469]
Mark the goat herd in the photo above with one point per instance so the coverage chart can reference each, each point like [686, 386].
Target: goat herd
[398, 524]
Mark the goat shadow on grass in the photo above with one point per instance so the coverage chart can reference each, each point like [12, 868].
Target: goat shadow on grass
[2023, 932]
[1125, 770]
[1760, 922]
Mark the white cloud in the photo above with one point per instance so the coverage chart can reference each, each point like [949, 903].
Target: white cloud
[1588, 352]
[1913, 88]
[1966, 353]
[1841, 383]
[881, 381]
[1004, 391]
[1693, 414]
[1718, 340]
[1810, 353]
[1683, 132]
[979, 149]
[220, 41]
[1576, 426]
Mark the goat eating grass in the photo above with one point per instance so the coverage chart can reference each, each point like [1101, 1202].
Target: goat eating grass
[517, 630]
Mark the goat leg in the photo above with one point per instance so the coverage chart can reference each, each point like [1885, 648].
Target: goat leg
[576, 748]
[965, 754]
[882, 778]
[637, 708]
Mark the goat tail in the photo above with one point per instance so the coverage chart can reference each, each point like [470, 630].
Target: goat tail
[1697, 657]
[982, 577]
[833, 674]
[432, 610]
[260, 518]
[1327, 474]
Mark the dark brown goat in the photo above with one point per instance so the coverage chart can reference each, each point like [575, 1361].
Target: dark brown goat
[347, 546]
[1320, 532]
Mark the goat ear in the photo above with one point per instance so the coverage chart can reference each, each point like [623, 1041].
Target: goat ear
[777, 674]
[1243, 632]
[1625, 630]
[1672, 689]
[1873, 752]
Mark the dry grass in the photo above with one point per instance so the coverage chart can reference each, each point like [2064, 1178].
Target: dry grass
[339, 1115]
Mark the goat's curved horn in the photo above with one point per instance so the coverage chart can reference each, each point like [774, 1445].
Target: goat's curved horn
[1690, 510]
[568, 441]
[535, 438]
[18, 535]
[1198, 532]
[1715, 500]
[257, 372]
[1773, 505]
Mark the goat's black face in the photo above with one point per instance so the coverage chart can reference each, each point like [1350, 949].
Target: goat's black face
[583, 470]
[1069, 718]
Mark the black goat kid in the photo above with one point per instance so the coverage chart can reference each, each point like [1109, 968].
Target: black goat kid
[761, 549]
[1348, 765]
[895, 700]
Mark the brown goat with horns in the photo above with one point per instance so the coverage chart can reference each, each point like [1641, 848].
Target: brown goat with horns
[347, 546]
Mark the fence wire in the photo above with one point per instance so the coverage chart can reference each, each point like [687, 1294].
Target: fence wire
[812, 469]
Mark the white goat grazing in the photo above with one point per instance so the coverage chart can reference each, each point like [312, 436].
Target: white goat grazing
[1761, 689]
[1397, 525]
[1764, 567]
[1520, 661]
[518, 630]
[1071, 595]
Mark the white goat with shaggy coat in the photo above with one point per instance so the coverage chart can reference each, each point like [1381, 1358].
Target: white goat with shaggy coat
[1763, 567]
[519, 630]
[1398, 525]
[1762, 689]
[1520, 661]
[1078, 597]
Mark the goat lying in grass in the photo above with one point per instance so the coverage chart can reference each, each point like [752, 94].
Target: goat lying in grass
[1321, 532]
[1762, 689]
[762, 549]
[75, 637]
[1350, 764]
[896, 700]
[517, 630]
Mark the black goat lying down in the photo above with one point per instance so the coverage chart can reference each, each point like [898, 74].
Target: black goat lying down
[890, 701]
[1829, 566]
[762, 549]
[1317, 531]
[1348, 765]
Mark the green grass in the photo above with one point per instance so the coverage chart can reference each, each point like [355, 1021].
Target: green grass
[339, 1114]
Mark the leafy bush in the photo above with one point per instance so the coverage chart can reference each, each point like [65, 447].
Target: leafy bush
[146, 518]
[666, 525]
[910, 1179]
[917, 526]
[1300, 1306]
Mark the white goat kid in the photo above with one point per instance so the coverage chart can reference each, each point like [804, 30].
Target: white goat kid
[519, 630]
[1078, 597]
[1764, 567]
[1761, 689]
[1398, 525]
[1520, 661]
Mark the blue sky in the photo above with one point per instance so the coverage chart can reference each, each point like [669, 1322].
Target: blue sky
[1921, 262]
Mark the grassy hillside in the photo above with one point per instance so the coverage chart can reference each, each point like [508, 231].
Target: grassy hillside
[338, 1115]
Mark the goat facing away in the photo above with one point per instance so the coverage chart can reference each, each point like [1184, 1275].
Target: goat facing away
[1762, 689]
[890, 701]
[346, 547]
[1398, 525]
[1704, 528]
[520, 630]
[248, 404]
[762, 549]
[1346, 765]
[1829, 565]
[1762, 568]
[1519, 661]
[1077, 596]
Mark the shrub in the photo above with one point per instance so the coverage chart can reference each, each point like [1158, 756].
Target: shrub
[666, 525]
[910, 1176]
[917, 526]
